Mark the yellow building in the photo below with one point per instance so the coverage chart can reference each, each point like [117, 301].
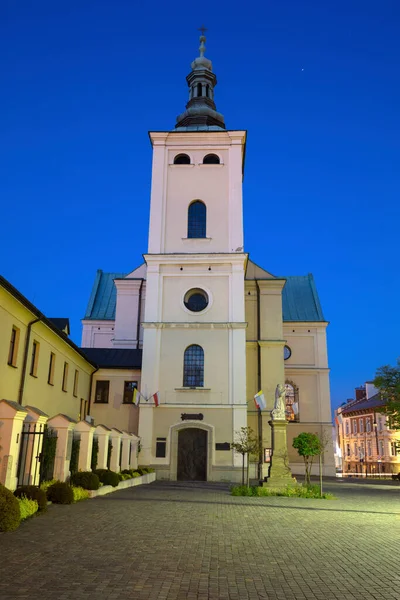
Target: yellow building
[368, 446]
[39, 365]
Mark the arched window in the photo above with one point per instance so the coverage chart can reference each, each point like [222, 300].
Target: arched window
[181, 159]
[211, 159]
[197, 219]
[199, 89]
[193, 366]
[207, 91]
[292, 401]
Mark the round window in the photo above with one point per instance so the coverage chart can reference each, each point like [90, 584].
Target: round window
[196, 300]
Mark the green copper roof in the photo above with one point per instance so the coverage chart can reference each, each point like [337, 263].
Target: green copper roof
[103, 297]
[299, 298]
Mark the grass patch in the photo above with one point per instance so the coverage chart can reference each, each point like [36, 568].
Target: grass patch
[291, 491]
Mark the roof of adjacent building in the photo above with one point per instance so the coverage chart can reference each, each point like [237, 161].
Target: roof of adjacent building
[375, 401]
[299, 296]
[39, 315]
[115, 358]
[61, 323]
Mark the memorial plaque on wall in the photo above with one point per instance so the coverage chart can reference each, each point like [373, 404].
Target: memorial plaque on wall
[192, 417]
[223, 446]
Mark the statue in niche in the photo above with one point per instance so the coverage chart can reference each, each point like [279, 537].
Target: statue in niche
[279, 411]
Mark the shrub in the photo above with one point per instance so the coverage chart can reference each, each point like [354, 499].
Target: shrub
[60, 493]
[95, 453]
[33, 493]
[135, 474]
[108, 477]
[150, 470]
[291, 491]
[85, 479]
[141, 470]
[73, 463]
[27, 507]
[127, 472]
[46, 484]
[80, 494]
[120, 476]
[10, 515]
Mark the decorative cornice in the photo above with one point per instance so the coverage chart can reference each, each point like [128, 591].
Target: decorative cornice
[185, 325]
[266, 343]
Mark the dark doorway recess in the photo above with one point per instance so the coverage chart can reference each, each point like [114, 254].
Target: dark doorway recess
[192, 454]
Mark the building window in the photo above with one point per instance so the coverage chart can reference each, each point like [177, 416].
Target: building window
[354, 426]
[193, 367]
[76, 379]
[381, 448]
[34, 359]
[394, 448]
[65, 377]
[292, 401]
[102, 392]
[161, 447]
[361, 425]
[355, 449]
[199, 90]
[211, 159]
[362, 451]
[368, 425]
[13, 350]
[369, 449]
[50, 378]
[347, 428]
[83, 410]
[348, 449]
[197, 218]
[196, 300]
[129, 387]
[181, 159]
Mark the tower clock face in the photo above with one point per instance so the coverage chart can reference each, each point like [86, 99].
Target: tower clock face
[287, 353]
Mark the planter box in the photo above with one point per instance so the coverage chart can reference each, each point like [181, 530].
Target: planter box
[107, 489]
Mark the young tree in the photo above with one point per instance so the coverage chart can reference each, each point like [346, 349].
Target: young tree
[308, 445]
[387, 381]
[245, 443]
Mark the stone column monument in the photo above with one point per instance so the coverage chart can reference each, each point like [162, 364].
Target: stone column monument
[279, 472]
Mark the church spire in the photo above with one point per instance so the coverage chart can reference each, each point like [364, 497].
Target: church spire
[201, 113]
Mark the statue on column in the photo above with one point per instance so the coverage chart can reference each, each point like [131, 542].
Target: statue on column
[279, 411]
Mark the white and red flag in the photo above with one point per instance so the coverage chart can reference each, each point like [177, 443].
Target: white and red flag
[156, 399]
[259, 400]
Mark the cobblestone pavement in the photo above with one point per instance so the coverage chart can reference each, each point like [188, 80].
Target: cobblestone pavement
[195, 542]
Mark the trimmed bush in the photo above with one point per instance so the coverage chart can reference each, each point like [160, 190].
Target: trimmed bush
[108, 477]
[79, 494]
[27, 507]
[46, 484]
[88, 480]
[33, 493]
[120, 476]
[10, 515]
[60, 493]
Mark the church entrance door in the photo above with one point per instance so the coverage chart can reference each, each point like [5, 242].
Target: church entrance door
[192, 454]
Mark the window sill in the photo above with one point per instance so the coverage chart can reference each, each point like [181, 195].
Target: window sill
[192, 389]
[65, 391]
[100, 402]
[179, 166]
[200, 239]
[13, 366]
[50, 383]
[33, 375]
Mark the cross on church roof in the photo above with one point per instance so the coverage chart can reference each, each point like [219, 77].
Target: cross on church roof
[202, 29]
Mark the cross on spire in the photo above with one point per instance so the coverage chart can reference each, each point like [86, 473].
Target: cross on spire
[202, 29]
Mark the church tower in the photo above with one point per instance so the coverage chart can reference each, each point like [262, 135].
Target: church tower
[194, 330]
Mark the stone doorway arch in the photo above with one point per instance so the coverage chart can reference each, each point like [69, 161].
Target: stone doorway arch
[196, 437]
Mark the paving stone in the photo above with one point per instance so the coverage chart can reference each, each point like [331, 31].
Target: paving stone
[171, 541]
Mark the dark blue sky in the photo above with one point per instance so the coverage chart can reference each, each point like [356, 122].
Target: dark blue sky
[316, 84]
